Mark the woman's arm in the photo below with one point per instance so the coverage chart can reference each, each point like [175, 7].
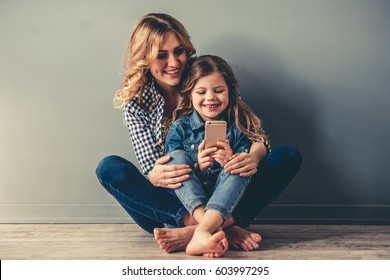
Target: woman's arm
[244, 163]
[150, 155]
[142, 137]
[168, 176]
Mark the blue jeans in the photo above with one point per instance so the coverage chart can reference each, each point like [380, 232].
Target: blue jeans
[224, 193]
[152, 207]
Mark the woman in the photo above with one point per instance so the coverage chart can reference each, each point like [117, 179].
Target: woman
[155, 64]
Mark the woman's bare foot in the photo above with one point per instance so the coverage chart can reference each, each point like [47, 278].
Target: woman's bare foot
[173, 239]
[209, 245]
[242, 239]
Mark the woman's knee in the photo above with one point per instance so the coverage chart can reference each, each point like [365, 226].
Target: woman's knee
[287, 155]
[293, 155]
[105, 165]
[114, 168]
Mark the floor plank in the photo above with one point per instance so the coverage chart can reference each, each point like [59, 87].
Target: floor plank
[128, 241]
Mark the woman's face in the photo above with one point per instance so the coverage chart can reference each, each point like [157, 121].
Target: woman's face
[210, 96]
[169, 66]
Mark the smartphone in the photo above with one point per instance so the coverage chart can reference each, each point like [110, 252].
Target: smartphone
[215, 131]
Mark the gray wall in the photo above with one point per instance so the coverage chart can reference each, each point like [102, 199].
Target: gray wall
[317, 72]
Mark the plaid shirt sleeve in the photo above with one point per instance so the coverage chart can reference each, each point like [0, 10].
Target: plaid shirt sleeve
[141, 133]
[266, 143]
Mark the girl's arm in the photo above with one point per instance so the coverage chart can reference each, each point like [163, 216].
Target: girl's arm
[223, 153]
[206, 158]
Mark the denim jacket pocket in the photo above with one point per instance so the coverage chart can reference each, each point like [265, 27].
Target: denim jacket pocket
[191, 148]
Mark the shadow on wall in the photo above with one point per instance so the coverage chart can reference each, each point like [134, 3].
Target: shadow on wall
[289, 110]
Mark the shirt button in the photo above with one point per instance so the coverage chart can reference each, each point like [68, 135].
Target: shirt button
[192, 146]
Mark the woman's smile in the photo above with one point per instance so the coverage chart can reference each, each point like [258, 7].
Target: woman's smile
[172, 73]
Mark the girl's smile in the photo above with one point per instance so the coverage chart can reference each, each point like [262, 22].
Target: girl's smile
[212, 107]
[210, 96]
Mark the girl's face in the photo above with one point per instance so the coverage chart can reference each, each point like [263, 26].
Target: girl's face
[169, 66]
[210, 96]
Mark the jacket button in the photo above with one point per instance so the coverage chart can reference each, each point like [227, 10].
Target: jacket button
[192, 146]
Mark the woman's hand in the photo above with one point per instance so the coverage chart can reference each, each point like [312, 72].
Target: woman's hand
[205, 160]
[241, 163]
[223, 153]
[168, 176]
[246, 164]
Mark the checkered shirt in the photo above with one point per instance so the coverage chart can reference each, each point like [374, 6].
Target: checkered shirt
[144, 125]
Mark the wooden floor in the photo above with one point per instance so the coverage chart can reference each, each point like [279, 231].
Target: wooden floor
[127, 241]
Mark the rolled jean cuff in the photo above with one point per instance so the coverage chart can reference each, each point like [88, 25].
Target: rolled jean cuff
[191, 206]
[222, 210]
[179, 218]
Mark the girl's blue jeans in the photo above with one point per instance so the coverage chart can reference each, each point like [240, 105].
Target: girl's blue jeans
[152, 207]
[220, 192]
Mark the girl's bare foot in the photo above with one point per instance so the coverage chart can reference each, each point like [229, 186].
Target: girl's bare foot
[209, 245]
[242, 239]
[173, 239]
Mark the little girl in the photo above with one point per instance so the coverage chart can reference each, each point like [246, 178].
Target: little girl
[210, 195]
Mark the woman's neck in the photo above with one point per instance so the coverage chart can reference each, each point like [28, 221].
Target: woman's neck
[171, 98]
[166, 90]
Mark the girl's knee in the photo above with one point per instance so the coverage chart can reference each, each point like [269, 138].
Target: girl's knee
[179, 157]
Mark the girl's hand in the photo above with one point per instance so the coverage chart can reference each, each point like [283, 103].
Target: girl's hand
[223, 153]
[204, 158]
[168, 176]
[241, 163]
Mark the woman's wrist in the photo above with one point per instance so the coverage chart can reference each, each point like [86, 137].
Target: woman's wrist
[257, 152]
[151, 178]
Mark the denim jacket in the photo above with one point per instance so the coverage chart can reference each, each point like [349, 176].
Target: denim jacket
[187, 133]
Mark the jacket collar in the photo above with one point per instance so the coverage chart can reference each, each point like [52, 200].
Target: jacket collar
[195, 121]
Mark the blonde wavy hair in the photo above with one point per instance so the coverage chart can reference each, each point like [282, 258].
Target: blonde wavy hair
[236, 112]
[142, 51]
